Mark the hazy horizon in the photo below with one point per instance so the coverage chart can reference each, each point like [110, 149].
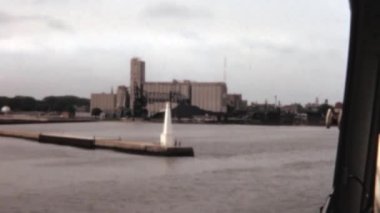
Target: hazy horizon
[295, 50]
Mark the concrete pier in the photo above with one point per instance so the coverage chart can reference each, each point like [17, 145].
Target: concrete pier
[17, 134]
[80, 142]
[133, 147]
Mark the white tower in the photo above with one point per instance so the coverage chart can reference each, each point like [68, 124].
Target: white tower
[167, 139]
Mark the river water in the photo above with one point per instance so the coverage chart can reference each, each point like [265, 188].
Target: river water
[236, 168]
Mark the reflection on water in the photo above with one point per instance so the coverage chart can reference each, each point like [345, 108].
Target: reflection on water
[236, 169]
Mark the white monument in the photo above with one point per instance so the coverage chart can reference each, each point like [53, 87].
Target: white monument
[167, 138]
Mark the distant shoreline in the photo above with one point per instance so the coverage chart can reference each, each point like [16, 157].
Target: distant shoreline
[216, 122]
[15, 121]
[5, 121]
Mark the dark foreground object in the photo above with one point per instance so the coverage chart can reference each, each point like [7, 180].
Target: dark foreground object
[143, 148]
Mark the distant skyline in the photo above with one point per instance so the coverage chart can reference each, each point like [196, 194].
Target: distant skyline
[293, 49]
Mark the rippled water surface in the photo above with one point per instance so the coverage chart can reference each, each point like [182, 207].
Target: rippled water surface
[236, 169]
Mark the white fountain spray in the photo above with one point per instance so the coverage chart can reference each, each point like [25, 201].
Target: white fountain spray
[167, 139]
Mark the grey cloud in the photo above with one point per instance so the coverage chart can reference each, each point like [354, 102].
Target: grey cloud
[190, 35]
[51, 22]
[58, 24]
[52, 1]
[268, 46]
[174, 10]
[260, 39]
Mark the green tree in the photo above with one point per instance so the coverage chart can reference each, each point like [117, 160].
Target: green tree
[23, 103]
[96, 112]
[71, 110]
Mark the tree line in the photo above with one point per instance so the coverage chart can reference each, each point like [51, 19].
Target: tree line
[47, 104]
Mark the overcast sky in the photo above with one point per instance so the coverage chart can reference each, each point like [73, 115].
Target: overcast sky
[295, 49]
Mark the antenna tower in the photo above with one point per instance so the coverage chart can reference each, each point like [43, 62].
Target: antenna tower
[225, 70]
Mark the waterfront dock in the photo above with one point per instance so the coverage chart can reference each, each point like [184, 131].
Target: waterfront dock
[133, 147]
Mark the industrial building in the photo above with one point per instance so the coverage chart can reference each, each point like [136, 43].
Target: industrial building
[104, 101]
[137, 79]
[157, 93]
[122, 97]
[111, 104]
[236, 102]
[208, 96]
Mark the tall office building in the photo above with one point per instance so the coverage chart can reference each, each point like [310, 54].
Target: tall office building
[137, 80]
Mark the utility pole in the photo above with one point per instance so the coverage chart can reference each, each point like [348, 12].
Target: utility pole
[275, 101]
[225, 70]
